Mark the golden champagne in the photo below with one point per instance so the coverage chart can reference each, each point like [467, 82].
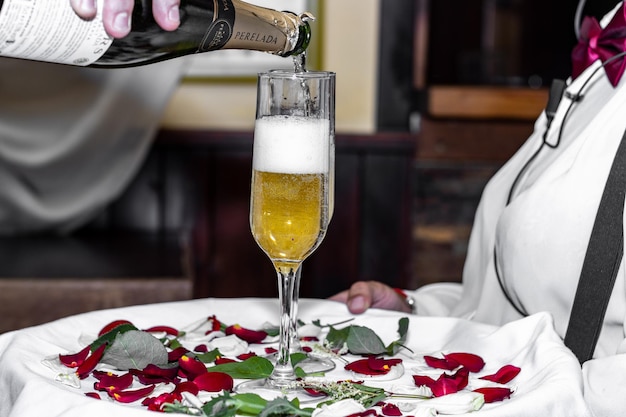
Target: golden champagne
[289, 213]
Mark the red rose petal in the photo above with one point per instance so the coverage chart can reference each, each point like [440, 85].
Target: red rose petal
[130, 396]
[389, 409]
[165, 329]
[444, 385]
[504, 374]
[214, 382]
[108, 381]
[366, 413]
[216, 325]
[380, 364]
[309, 339]
[74, 360]
[314, 392]
[493, 394]
[222, 360]
[250, 336]
[153, 374]
[107, 328]
[372, 366]
[421, 380]
[91, 362]
[187, 386]
[245, 356]
[473, 363]
[440, 363]
[201, 348]
[461, 377]
[191, 367]
[176, 354]
[157, 403]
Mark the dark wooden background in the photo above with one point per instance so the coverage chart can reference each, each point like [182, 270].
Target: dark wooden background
[369, 235]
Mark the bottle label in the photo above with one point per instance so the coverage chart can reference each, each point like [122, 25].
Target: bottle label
[221, 29]
[49, 30]
[262, 29]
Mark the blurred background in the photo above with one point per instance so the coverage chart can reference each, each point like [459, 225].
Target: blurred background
[433, 96]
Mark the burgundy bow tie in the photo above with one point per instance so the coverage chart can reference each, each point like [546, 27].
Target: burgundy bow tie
[597, 43]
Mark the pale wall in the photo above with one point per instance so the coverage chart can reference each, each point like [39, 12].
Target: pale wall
[349, 47]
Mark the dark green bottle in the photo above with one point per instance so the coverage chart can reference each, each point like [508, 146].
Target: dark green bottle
[50, 31]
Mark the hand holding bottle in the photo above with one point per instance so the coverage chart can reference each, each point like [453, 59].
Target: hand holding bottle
[94, 32]
[116, 14]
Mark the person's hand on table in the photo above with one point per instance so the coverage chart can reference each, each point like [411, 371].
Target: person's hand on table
[365, 294]
[116, 14]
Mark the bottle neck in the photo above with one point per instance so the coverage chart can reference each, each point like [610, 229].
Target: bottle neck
[263, 29]
[304, 37]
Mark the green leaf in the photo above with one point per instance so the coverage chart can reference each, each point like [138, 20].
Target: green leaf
[135, 349]
[297, 357]
[337, 337]
[111, 335]
[363, 341]
[178, 407]
[403, 327]
[173, 344]
[250, 403]
[209, 357]
[255, 367]
[282, 407]
[299, 372]
[220, 406]
[227, 405]
[272, 331]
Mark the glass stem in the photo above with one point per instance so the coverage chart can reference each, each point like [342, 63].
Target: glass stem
[295, 340]
[283, 374]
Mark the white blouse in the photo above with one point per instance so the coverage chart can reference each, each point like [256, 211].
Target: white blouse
[541, 237]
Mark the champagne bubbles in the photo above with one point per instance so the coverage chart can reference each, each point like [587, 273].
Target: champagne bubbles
[291, 145]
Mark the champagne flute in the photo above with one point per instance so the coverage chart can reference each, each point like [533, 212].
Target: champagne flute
[291, 190]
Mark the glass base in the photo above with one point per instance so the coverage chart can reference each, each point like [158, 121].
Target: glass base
[310, 365]
[269, 390]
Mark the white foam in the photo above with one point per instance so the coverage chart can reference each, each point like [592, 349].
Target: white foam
[291, 145]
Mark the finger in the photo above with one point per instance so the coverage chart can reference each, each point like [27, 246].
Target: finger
[360, 297]
[354, 301]
[368, 294]
[166, 13]
[342, 297]
[116, 17]
[85, 9]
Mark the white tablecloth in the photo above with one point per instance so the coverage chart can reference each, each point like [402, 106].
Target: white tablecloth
[549, 383]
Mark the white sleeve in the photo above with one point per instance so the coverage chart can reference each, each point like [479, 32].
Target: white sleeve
[71, 138]
[437, 299]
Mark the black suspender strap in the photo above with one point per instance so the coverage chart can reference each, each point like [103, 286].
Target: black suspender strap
[602, 261]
